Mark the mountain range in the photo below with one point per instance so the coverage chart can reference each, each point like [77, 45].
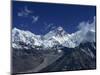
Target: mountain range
[53, 38]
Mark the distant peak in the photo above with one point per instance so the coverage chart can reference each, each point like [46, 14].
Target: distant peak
[60, 28]
[15, 29]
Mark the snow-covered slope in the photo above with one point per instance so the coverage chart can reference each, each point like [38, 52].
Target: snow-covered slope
[23, 39]
[58, 36]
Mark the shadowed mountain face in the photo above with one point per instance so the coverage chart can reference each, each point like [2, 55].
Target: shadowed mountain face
[75, 59]
[23, 60]
[82, 57]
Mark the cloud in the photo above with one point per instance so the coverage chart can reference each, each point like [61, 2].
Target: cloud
[87, 30]
[85, 33]
[47, 27]
[86, 26]
[35, 19]
[28, 14]
[24, 12]
[27, 10]
[20, 14]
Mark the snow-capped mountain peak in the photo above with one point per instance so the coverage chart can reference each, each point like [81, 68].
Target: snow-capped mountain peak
[60, 28]
[22, 39]
[58, 32]
[60, 36]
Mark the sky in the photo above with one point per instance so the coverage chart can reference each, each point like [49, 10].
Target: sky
[40, 18]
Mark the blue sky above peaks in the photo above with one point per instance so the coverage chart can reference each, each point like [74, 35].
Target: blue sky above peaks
[40, 18]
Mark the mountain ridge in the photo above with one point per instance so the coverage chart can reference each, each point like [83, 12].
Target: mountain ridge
[53, 38]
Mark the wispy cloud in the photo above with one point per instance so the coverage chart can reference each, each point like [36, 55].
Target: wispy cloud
[86, 26]
[24, 12]
[86, 32]
[35, 19]
[27, 10]
[21, 13]
[47, 27]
